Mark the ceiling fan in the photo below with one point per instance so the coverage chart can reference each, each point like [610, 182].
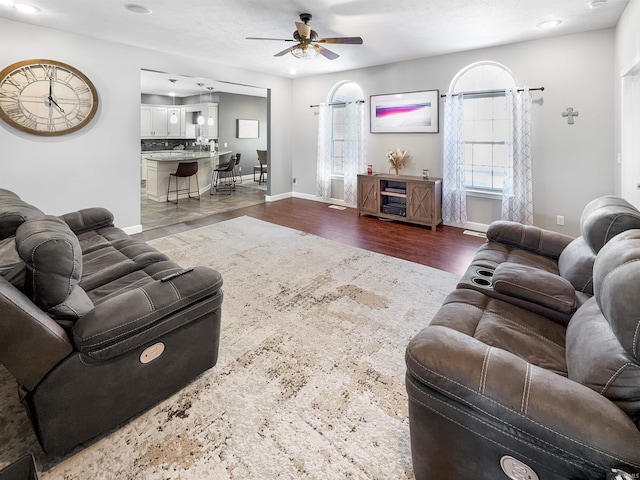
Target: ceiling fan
[308, 42]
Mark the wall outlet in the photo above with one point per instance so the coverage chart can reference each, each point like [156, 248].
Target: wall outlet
[225, 144]
[560, 219]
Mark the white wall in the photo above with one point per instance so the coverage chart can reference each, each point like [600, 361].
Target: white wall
[572, 163]
[99, 165]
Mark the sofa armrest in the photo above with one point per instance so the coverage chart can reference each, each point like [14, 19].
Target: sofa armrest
[535, 285]
[534, 239]
[31, 342]
[88, 219]
[526, 402]
[139, 316]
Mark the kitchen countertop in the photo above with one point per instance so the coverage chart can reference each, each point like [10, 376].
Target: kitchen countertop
[178, 155]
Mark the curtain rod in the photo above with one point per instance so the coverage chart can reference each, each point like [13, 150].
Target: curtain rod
[490, 92]
[338, 103]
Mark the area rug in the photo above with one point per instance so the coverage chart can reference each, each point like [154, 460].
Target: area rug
[310, 379]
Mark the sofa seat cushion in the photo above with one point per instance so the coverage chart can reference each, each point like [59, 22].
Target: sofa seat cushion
[498, 324]
[133, 280]
[112, 254]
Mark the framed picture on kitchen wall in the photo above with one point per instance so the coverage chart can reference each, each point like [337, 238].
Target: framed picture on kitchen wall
[248, 128]
[409, 112]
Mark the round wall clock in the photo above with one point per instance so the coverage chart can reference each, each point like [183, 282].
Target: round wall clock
[46, 97]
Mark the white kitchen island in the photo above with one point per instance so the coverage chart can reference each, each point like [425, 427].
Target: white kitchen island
[160, 165]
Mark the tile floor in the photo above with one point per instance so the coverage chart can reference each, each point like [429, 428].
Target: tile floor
[155, 214]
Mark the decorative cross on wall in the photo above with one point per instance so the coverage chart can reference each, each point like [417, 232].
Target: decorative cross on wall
[570, 114]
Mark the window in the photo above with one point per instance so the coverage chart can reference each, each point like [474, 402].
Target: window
[337, 140]
[486, 124]
[485, 136]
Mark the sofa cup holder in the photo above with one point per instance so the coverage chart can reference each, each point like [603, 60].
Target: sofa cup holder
[484, 272]
[481, 282]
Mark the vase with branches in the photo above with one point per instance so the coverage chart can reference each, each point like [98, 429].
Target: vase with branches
[398, 159]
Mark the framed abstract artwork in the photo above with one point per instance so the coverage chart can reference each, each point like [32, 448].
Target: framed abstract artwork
[410, 112]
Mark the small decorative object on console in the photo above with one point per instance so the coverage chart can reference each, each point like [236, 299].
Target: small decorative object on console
[398, 159]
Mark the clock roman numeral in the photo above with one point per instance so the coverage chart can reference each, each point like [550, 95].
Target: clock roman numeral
[14, 110]
[50, 71]
[29, 75]
[6, 95]
[81, 90]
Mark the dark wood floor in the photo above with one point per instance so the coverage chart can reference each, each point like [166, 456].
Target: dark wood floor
[447, 248]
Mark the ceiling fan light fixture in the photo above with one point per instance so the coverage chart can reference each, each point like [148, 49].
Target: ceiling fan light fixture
[303, 51]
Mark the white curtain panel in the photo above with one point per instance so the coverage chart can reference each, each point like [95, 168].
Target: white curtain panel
[454, 194]
[517, 192]
[355, 161]
[323, 173]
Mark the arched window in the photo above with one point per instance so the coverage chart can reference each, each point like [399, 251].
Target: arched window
[486, 123]
[341, 140]
[487, 139]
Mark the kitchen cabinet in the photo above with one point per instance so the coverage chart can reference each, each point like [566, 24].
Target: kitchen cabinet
[154, 121]
[401, 197]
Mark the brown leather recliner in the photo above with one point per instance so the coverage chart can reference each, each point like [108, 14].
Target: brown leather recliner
[544, 271]
[96, 326]
[495, 388]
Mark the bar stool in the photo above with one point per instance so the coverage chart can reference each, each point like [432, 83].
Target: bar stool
[223, 177]
[184, 170]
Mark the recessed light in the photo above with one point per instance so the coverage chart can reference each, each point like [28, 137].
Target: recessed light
[132, 7]
[292, 71]
[24, 8]
[7, 3]
[597, 4]
[549, 24]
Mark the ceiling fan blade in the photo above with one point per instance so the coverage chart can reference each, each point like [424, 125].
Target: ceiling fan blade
[350, 40]
[277, 39]
[284, 52]
[304, 30]
[326, 53]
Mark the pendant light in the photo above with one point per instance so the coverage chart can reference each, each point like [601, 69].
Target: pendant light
[210, 121]
[200, 117]
[173, 119]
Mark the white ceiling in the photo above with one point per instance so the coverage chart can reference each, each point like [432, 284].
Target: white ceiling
[392, 30]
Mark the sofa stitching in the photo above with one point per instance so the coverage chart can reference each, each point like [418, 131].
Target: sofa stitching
[176, 290]
[134, 320]
[585, 460]
[508, 320]
[526, 389]
[146, 294]
[545, 427]
[635, 340]
[534, 291]
[485, 366]
[166, 320]
[47, 327]
[615, 375]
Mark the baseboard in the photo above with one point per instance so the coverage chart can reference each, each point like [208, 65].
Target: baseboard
[478, 227]
[275, 198]
[333, 201]
[132, 230]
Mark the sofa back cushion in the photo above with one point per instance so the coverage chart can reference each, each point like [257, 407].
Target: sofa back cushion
[53, 260]
[13, 212]
[576, 265]
[603, 337]
[604, 218]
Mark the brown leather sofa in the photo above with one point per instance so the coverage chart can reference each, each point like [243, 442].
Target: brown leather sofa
[96, 326]
[499, 387]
